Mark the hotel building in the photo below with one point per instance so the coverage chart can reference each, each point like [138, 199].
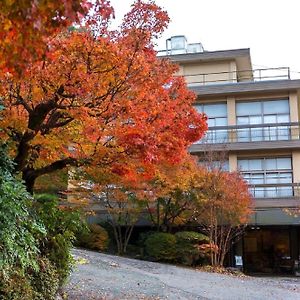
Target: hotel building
[253, 117]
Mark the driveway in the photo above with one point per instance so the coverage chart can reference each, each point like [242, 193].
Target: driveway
[102, 276]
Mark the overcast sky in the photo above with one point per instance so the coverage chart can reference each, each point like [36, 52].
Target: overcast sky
[270, 28]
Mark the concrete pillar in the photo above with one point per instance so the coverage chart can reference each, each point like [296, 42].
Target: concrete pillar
[232, 70]
[231, 118]
[232, 162]
[294, 115]
[296, 165]
[293, 99]
[231, 115]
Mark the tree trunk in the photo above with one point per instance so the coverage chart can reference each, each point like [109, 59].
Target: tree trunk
[29, 180]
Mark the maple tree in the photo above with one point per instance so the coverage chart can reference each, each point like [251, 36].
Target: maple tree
[223, 208]
[171, 200]
[102, 100]
[27, 26]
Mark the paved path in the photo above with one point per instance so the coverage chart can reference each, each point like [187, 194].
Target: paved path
[101, 276]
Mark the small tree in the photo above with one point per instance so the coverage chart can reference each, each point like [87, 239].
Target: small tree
[116, 196]
[223, 209]
[172, 196]
[123, 212]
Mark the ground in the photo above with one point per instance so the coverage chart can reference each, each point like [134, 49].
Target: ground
[102, 276]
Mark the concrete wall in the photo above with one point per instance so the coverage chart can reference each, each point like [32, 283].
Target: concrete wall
[202, 74]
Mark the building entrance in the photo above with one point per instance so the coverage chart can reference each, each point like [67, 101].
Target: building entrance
[268, 251]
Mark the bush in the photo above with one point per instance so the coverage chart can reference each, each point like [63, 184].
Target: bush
[187, 245]
[46, 281]
[19, 227]
[95, 239]
[62, 225]
[35, 240]
[161, 246]
[15, 285]
[143, 236]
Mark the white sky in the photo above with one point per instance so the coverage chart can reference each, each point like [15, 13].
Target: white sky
[270, 28]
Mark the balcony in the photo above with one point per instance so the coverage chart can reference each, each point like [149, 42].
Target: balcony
[279, 190]
[254, 75]
[245, 137]
[281, 195]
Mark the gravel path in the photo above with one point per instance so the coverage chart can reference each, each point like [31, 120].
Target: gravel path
[102, 276]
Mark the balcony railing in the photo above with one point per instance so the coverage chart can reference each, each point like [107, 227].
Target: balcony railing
[251, 133]
[281, 73]
[280, 190]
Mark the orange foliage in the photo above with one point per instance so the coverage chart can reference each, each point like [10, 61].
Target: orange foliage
[224, 208]
[27, 26]
[223, 197]
[101, 99]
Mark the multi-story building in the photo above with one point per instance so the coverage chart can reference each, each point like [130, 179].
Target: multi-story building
[253, 116]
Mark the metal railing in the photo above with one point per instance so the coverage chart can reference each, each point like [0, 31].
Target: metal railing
[280, 73]
[280, 190]
[251, 133]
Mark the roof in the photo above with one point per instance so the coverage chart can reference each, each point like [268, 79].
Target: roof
[240, 56]
[245, 87]
[208, 55]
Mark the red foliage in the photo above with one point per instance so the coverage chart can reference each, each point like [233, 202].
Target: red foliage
[102, 100]
[27, 26]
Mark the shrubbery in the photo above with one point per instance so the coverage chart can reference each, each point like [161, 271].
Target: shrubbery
[29, 284]
[46, 281]
[19, 228]
[161, 246]
[35, 240]
[96, 238]
[187, 247]
[62, 224]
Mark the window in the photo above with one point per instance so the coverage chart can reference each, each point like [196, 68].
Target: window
[217, 116]
[268, 177]
[263, 112]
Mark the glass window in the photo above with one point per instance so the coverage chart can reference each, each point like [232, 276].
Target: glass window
[247, 108]
[211, 122]
[270, 164]
[284, 163]
[220, 121]
[255, 164]
[255, 120]
[243, 164]
[283, 118]
[215, 110]
[243, 120]
[264, 175]
[263, 108]
[272, 178]
[284, 177]
[257, 178]
[270, 119]
[276, 106]
[217, 116]
[263, 112]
